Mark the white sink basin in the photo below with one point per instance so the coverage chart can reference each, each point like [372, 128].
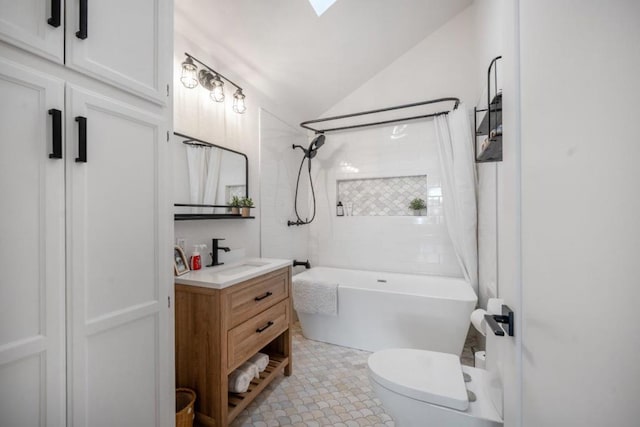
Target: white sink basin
[220, 277]
[242, 268]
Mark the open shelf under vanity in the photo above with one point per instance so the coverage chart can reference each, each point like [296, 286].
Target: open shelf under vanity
[237, 402]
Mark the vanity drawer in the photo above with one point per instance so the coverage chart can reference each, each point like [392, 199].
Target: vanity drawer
[247, 339]
[251, 298]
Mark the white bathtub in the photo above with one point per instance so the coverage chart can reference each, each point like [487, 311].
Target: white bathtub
[386, 310]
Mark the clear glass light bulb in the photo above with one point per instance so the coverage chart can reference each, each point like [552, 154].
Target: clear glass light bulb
[217, 93]
[189, 76]
[238, 102]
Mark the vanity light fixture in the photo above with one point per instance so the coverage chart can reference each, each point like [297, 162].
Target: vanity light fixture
[211, 80]
[188, 77]
[217, 93]
[238, 102]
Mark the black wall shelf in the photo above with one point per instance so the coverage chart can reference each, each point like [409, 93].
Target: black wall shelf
[491, 121]
[196, 216]
[191, 217]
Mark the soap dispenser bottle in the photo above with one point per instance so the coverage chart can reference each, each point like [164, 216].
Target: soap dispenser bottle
[339, 209]
[196, 259]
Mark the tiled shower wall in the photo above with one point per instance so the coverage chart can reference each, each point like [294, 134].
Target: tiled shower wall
[381, 196]
[396, 243]
[278, 170]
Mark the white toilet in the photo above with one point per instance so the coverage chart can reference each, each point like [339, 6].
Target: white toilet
[421, 388]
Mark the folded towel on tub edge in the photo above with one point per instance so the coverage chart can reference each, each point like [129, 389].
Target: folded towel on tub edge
[315, 297]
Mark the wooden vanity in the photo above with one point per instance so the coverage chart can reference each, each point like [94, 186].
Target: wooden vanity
[218, 330]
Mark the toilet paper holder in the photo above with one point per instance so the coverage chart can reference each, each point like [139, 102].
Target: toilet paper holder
[505, 318]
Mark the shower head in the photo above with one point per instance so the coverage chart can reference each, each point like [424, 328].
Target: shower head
[318, 141]
[311, 152]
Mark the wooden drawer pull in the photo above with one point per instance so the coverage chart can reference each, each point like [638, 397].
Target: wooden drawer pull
[260, 298]
[264, 328]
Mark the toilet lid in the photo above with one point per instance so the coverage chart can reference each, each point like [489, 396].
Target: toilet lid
[428, 376]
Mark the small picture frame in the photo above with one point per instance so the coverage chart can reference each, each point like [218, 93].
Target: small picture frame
[180, 264]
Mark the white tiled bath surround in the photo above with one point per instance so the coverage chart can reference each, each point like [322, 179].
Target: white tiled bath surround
[407, 244]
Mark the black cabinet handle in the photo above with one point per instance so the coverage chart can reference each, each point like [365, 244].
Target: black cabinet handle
[56, 12]
[56, 126]
[82, 139]
[260, 330]
[260, 298]
[84, 17]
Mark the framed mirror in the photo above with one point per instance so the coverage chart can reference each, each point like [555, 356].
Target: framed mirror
[206, 178]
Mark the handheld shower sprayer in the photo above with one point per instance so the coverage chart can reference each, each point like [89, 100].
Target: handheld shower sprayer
[309, 153]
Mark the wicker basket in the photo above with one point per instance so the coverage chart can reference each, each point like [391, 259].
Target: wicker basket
[185, 413]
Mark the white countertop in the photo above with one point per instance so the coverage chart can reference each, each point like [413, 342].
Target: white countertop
[223, 276]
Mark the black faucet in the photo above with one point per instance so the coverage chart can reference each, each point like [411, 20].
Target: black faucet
[306, 263]
[214, 252]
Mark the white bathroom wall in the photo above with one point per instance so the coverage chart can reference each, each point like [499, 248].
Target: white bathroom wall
[195, 114]
[489, 25]
[442, 65]
[279, 165]
[405, 244]
[580, 209]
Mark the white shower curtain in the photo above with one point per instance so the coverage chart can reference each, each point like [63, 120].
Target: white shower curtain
[197, 165]
[213, 176]
[457, 162]
[204, 174]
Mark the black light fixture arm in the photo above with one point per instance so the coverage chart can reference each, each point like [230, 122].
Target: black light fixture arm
[212, 70]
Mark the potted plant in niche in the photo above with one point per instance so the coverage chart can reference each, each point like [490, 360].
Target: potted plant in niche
[235, 204]
[418, 206]
[246, 204]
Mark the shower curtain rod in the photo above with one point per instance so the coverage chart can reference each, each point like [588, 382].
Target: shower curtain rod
[382, 110]
[191, 140]
[197, 144]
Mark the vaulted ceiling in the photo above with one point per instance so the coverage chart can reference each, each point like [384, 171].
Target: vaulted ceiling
[307, 62]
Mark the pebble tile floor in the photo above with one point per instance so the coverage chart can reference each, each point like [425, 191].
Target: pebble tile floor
[329, 387]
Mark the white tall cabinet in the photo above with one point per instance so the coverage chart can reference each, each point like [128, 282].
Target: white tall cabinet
[122, 42]
[86, 317]
[34, 25]
[32, 251]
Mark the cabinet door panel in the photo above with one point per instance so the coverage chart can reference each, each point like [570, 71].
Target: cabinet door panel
[24, 24]
[123, 356]
[19, 379]
[120, 235]
[32, 308]
[117, 282]
[126, 44]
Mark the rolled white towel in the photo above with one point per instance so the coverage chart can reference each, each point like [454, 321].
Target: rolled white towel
[261, 360]
[251, 367]
[240, 379]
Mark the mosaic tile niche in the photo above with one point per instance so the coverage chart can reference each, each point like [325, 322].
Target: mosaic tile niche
[381, 196]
